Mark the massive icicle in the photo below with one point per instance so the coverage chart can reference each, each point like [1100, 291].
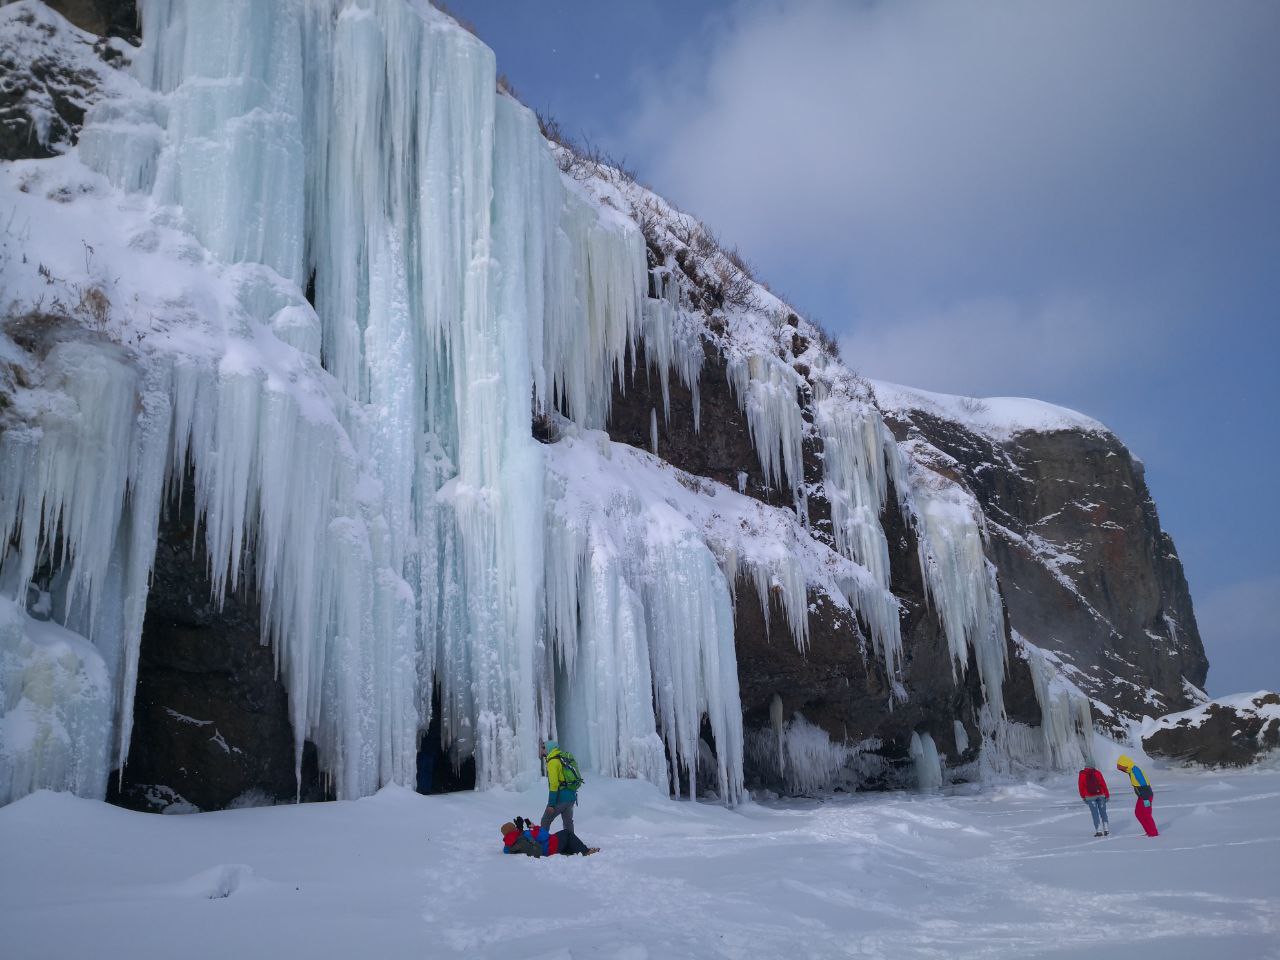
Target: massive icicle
[959, 580]
[393, 526]
[926, 763]
[766, 391]
[1066, 721]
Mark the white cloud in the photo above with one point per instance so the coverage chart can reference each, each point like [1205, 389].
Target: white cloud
[1034, 346]
[1240, 625]
[927, 145]
[932, 176]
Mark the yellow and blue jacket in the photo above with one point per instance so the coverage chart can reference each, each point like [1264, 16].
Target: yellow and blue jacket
[1137, 779]
[557, 792]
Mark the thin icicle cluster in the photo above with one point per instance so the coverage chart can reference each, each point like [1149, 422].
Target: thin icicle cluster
[642, 622]
[1066, 720]
[857, 455]
[766, 391]
[672, 341]
[1064, 738]
[802, 758]
[960, 582]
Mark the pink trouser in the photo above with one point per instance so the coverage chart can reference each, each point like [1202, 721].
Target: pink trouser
[1142, 810]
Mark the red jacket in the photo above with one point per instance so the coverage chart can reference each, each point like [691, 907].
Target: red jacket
[536, 843]
[1093, 784]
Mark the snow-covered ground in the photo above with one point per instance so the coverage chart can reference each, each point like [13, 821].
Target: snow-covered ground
[1013, 871]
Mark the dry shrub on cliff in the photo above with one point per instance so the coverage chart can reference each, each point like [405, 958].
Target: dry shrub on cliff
[826, 340]
[460, 20]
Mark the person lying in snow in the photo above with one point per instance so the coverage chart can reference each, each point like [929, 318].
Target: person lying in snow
[531, 840]
[1094, 792]
[1146, 796]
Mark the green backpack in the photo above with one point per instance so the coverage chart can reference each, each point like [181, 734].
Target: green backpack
[572, 779]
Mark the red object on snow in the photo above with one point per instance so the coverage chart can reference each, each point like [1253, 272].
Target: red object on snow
[1093, 784]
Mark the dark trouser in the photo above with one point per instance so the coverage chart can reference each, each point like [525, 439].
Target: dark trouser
[569, 843]
[562, 810]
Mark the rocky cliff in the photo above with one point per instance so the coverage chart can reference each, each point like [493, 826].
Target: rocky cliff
[1085, 569]
[923, 588]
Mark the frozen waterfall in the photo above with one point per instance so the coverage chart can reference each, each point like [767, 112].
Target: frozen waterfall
[390, 512]
[359, 455]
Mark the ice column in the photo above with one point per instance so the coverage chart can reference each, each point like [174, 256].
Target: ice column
[1066, 721]
[233, 161]
[960, 582]
[766, 390]
[856, 448]
[55, 708]
[926, 762]
[642, 621]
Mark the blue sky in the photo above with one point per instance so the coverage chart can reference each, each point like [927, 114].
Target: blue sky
[1077, 202]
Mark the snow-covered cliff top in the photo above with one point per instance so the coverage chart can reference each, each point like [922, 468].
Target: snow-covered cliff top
[996, 417]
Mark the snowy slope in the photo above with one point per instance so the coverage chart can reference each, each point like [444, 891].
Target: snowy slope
[1009, 873]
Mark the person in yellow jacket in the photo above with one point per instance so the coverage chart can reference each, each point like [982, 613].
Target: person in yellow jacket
[562, 785]
[1146, 796]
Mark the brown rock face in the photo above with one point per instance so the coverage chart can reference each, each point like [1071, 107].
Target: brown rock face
[1085, 568]
[838, 682]
[106, 18]
[44, 91]
[210, 719]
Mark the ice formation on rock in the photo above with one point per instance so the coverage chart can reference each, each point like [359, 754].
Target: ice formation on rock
[960, 581]
[928, 766]
[766, 390]
[391, 518]
[859, 459]
[1066, 721]
[804, 758]
[366, 466]
[648, 557]
[55, 708]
